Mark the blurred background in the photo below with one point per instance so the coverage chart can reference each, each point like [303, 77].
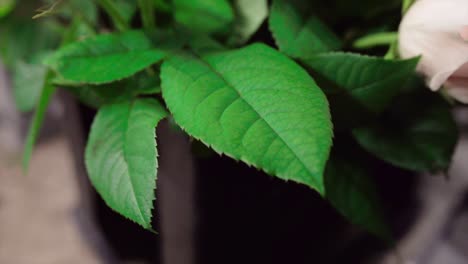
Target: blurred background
[209, 209]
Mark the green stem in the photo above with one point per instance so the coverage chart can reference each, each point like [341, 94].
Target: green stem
[110, 8]
[147, 13]
[392, 52]
[406, 5]
[376, 39]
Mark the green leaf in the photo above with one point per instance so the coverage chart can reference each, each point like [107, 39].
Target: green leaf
[6, 6]
[121, 157]
[298, 32]
[106, 58]
[125, 90]
[77, 30]
[418, 133]
[116, 12]
[37, 120]
[357, 85]
[350, 189]
[28, 81]
[203, 16]
[204, 44]
[24, 40]
[87, 9]
[147, 9]
[253, 104]
[127, 8]
[250, 15]
[163, 5]
[120, 12]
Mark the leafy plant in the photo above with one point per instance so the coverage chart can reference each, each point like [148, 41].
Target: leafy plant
[275, 107]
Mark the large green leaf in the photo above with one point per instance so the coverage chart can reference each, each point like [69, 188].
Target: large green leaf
[350, 189]
[359, 85]
[250, 15]
[121, 157]
[46, 94]
[28, 81]
[255, 105]
[417, 133]
[203, 16]
[106, 58]
[298, 32]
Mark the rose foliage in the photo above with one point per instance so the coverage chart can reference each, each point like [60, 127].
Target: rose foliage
[311, 92]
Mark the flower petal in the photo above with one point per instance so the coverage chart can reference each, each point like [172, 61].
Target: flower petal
[434, 29]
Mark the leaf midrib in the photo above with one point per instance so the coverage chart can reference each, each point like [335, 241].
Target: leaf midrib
[126, 124]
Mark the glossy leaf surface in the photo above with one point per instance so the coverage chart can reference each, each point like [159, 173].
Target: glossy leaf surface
[121, 157]
[253, 104]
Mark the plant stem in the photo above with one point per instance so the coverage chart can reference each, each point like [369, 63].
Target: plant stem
[406, 5]
[392, 52]
[376, 39]
[147, 13]
[114, 13]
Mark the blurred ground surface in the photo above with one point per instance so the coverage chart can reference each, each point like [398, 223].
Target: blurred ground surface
[37, 211]
[37, 219]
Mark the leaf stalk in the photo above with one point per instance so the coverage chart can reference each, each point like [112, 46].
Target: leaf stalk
[112, 10]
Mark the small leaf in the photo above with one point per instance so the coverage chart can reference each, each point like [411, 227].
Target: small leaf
[17, 36]
[253, 104]
[121, 157]
[298, 32]
[28, 81]
[106, 58]
[127, 8]
[203, 16]
[38, 118]
[357, 85]
[250, 15]
[98, 95]
[77, 30]
[350, 189]
[6, 6]
[418, 133]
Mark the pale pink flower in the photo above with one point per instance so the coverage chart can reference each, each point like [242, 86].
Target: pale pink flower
[438, 31]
